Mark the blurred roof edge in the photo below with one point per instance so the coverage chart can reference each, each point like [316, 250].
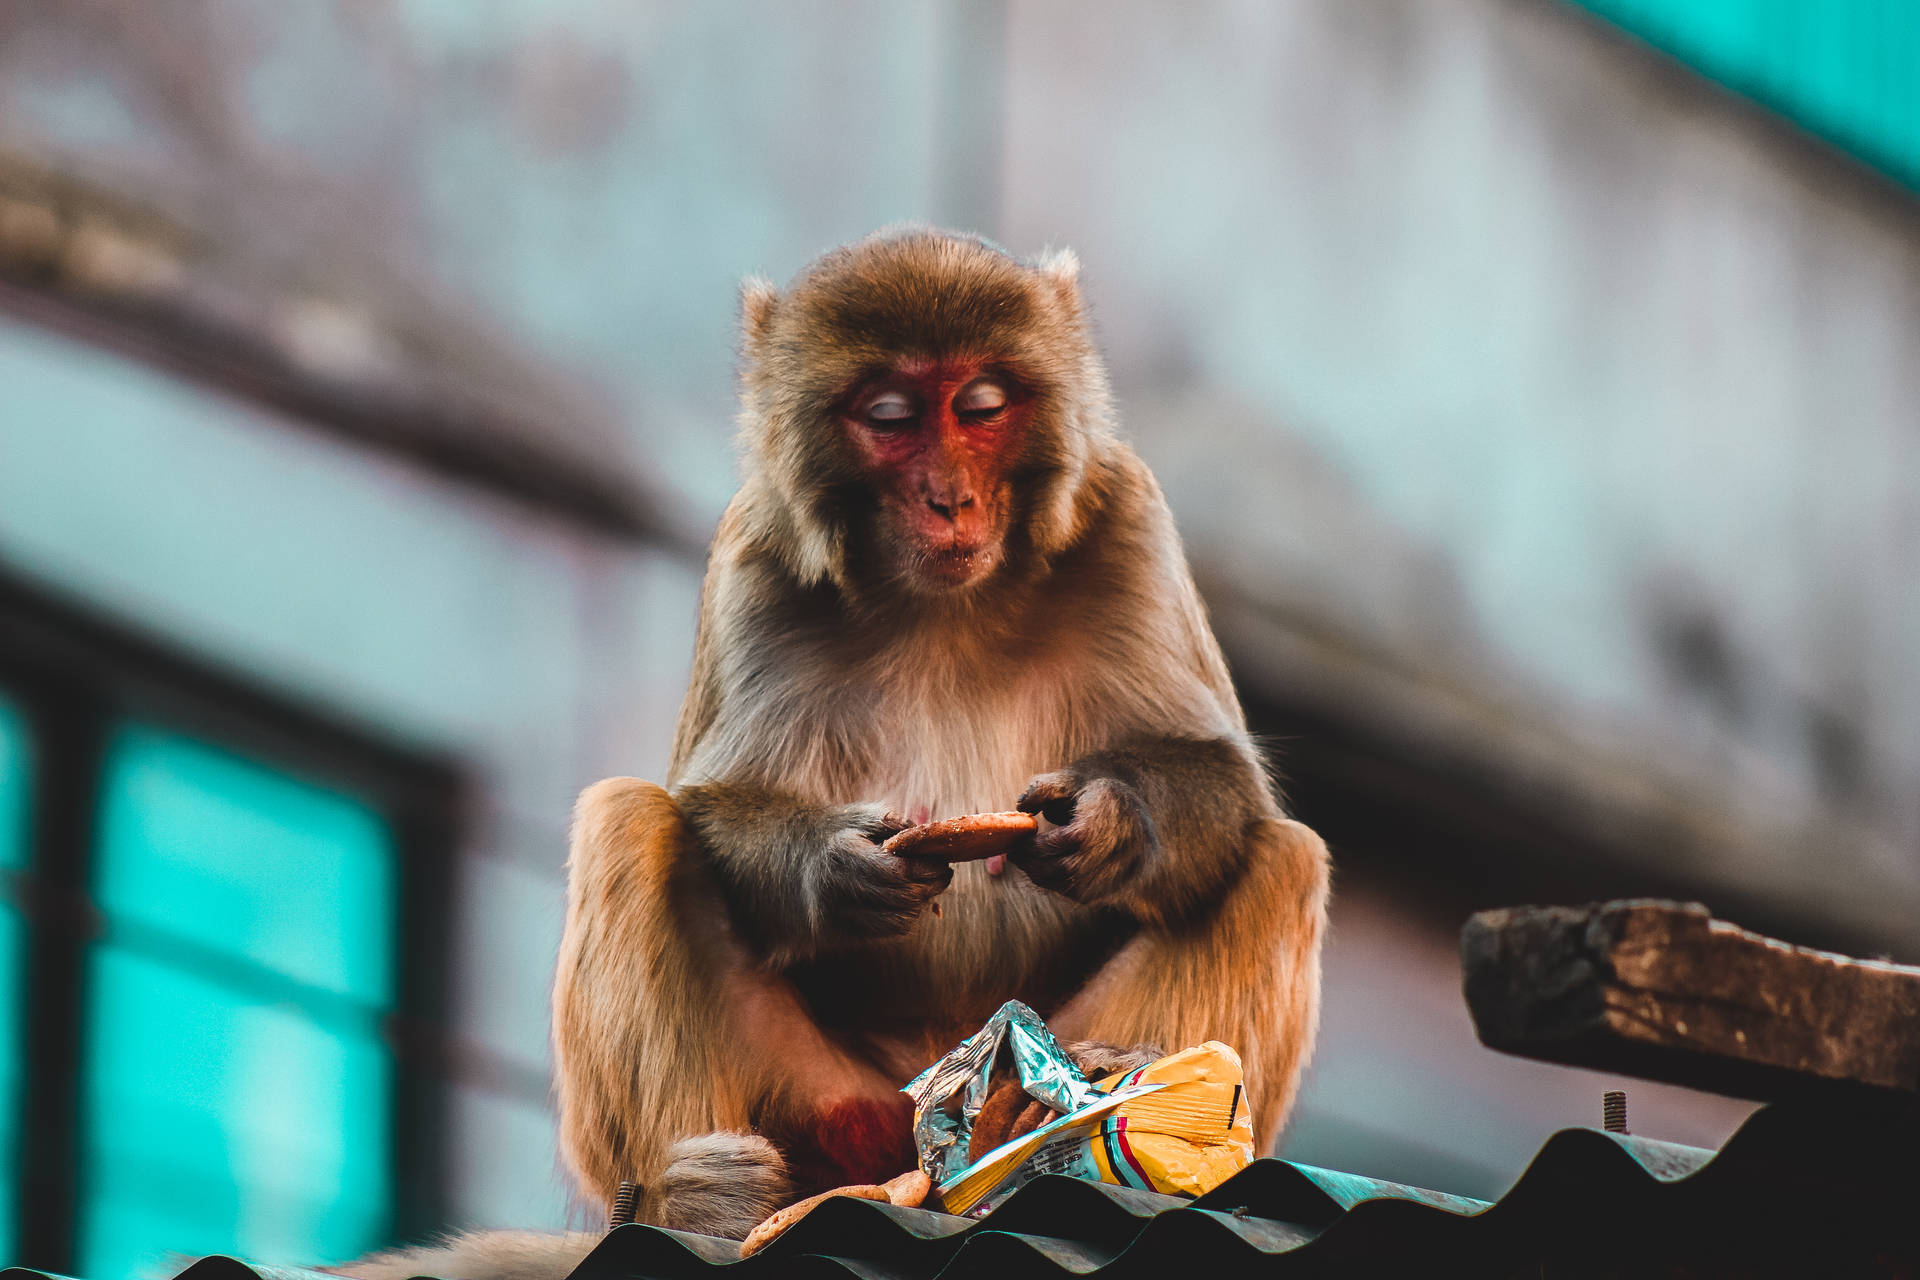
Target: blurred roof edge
[416, 383]
[1504, 798]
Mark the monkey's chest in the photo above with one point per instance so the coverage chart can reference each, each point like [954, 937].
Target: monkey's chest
[963, 750]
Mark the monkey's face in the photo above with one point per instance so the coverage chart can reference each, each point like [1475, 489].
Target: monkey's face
[935, 439]
[919, 411]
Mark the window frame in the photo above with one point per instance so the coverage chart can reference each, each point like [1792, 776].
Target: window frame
[75, 676]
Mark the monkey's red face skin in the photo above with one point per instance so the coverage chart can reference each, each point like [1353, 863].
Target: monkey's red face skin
[936, 438]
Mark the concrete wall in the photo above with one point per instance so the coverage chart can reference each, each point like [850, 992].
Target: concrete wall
[1517, 393]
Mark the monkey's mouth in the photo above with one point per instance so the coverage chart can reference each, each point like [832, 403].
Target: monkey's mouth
[955, 564]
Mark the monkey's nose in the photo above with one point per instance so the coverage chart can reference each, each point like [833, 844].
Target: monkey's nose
[950, 507]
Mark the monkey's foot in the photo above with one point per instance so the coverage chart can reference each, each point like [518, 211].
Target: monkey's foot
[721, 1184]
[1096, 1058]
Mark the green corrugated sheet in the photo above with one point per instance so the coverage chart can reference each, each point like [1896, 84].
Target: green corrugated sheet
[1820, 1186]
[1848, 70]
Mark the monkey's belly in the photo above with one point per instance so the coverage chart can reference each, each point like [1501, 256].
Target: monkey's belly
[902, 1003]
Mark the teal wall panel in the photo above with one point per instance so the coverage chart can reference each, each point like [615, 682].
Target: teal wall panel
[1848, 70]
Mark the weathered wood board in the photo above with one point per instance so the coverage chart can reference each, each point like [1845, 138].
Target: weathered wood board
[1663, 991]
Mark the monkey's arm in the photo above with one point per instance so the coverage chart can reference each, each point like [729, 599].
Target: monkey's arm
[1157, 826]
[802, 878]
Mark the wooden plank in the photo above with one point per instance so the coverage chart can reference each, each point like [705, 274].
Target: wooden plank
[1663, 991]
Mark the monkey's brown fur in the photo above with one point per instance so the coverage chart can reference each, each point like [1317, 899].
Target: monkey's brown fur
[696, 991]
[739, 957]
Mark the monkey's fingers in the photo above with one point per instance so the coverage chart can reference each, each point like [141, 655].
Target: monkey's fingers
[1053, 796]
[1077, 867]
[1054, 859]
[996, 1117]
[884, 895]
[1036, 1114]
[933, 873]
[763, 1235]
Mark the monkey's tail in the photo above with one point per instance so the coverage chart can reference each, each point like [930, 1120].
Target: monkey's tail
[481, 1255]
[718, 1184]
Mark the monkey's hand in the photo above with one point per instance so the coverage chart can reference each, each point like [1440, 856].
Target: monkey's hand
[802, 878]
[1095, 834]
[1154, 826]
[854, 890]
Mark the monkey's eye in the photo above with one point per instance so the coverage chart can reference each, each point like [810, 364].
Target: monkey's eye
[981, 398]
[891, 409]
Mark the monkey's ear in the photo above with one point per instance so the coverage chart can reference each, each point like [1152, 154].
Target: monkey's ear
[758, 298]
[1061, 270]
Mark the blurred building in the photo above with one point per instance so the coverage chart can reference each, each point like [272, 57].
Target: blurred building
[1536, 386]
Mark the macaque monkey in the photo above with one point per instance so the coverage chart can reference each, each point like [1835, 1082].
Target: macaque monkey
[946, 586]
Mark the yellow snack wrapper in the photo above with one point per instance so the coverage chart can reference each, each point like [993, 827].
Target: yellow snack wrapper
[1179, 1126]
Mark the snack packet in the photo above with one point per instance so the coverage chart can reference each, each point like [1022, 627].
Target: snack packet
[1179, 1125]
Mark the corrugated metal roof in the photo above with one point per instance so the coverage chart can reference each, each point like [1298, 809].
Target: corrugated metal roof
[1827, 1185]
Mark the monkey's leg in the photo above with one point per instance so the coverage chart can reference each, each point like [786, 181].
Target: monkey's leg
[1247, 973]
[668, 1030]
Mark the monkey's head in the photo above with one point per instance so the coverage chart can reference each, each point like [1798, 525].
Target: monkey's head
[919, 411]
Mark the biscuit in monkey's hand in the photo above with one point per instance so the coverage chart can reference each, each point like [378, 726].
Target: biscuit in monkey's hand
[967, 839]
[909, 1190]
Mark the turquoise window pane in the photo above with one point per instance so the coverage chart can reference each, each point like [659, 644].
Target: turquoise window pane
[202, 844]
[236, 1093]
[217, 1123]
[1842, 68]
